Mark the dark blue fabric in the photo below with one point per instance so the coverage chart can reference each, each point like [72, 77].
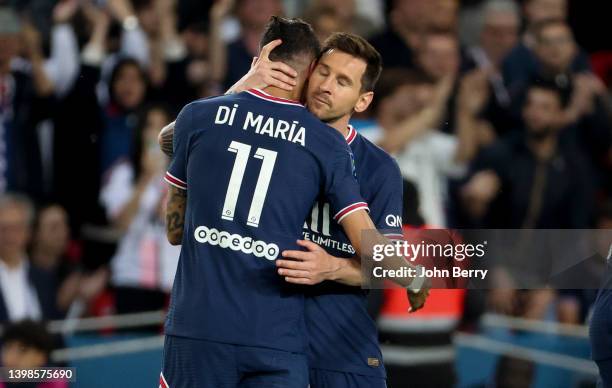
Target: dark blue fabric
[320, 378]
[116, 141]
[192, 363]
[230, 294]
[341, 334]
[600, 330]
[238, 62]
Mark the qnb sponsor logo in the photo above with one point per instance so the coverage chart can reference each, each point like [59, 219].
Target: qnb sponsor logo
[236, 242]
[394, 221]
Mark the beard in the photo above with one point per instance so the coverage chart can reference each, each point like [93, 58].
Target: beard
[540, 134]
[333, 118]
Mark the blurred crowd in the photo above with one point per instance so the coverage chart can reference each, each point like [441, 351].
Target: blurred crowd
[497, 116]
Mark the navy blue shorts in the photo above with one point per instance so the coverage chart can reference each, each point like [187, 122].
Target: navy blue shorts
[321, 378]
[605, 373]
[194, 363]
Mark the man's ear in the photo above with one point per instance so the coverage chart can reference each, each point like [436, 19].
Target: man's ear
[312, 66]
[364, 101]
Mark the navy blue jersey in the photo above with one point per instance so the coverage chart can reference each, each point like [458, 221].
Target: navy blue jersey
[342, 336]
[600, 329]
[252, 165]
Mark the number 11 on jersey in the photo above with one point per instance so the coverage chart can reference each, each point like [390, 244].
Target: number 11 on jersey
[242, 152]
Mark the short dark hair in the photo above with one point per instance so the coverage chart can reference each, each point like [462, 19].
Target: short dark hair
[31, 334]
[394, 78]
[298, 39]
[357, 47]
[549, 85]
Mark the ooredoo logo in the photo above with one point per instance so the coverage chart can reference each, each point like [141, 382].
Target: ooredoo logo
[236, 242]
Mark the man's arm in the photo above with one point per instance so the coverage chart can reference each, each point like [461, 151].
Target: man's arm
[165, 139]
[175, 214]
[428, 118]
[358, 221]
[316, 265]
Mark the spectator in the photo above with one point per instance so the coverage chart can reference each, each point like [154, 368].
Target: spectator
[142, 270]
[530, 179]
[443, 15]
[25, 97]
[407, 19]
[345, 15]
[28, 345]
[26, 291]
[521, 64]
[561, 61]
[51, 253]
[409, 109]
[324, 21]
[127, 90]
[439, 56]
[499, 33]
[253, 16]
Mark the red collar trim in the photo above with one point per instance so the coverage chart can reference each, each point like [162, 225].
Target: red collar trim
[265, 96]
[352, 134]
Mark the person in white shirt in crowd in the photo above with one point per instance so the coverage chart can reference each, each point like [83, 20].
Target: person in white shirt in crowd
[143, 268]
[408, 109]
[25, 291]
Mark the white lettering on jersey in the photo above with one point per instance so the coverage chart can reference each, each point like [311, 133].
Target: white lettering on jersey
[225, 115]
[393, 221]
[236, 242]
[278, 129]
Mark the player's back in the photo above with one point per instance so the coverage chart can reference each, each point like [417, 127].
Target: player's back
[253, 166]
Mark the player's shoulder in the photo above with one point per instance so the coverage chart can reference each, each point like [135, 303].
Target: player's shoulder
[378, 159]
[208, 102]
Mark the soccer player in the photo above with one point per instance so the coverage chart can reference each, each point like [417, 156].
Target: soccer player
[343, 345]
[245, 172]
[343, 339]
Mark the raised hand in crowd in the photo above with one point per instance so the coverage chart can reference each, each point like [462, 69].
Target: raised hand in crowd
[479, 191]
[32, 47]
[64, 11]
[473, 95]
[218, 13]
[428, 118]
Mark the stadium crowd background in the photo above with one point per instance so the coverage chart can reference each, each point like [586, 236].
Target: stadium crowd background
[499, 114]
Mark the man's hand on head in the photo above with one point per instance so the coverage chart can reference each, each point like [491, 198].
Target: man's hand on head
[308, 267]
[264, 72]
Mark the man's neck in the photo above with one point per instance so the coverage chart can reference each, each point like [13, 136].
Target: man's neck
[44, 257]
[543, 149]
[294, 95]
[341, 125]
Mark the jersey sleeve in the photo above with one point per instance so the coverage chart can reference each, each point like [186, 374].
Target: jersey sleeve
[387, 202]
[341, 187]
[177, 171]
